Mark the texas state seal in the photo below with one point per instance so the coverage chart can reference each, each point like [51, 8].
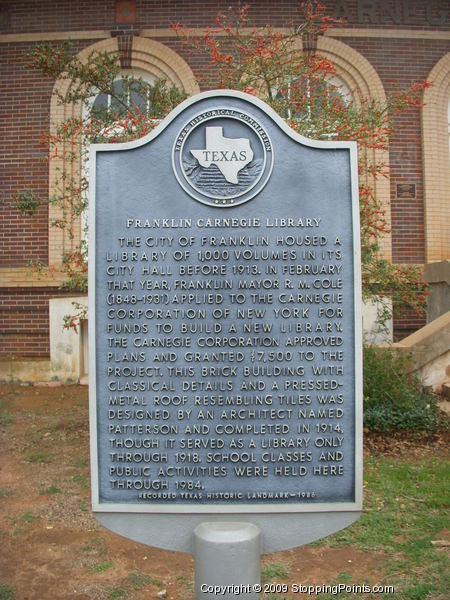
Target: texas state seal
[222, 157]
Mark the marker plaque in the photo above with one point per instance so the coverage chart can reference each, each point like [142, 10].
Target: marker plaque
[225, 327]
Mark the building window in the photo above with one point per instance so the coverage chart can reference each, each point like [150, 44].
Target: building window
[310, 100]
[130, 92]
[149, 59]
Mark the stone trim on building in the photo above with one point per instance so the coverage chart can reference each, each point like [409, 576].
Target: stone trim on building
[359, 75]
[162, 61]
[165, 32]
[50, 36]
[411, 34]
[25, 277]
[436, 162]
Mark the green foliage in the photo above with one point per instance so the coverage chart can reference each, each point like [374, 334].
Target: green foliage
[99, 75]
[140, 580]
[20, 522]
[393, 398]
[75, 267]
[133, 582]
[28, 517]
[26, 201]
[6, 592]
[38, 457]
[80, 462]
[95, 545]
[271, 571]
[405, 508]
[101, 567]
[5, 418]
[51, 490]
[81, 479]
[128, 108]
[5, 492]
[115, 593]
[5, 415]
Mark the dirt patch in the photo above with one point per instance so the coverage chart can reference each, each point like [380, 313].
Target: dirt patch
[407, 444]
[53, 548]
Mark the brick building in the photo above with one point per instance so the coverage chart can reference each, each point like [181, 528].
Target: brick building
[383, 46]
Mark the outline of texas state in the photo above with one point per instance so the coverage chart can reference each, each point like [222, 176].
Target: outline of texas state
[230, 155]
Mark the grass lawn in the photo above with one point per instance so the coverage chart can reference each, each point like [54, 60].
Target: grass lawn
[405, 510]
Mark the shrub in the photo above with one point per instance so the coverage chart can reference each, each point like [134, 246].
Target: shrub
[393, 398]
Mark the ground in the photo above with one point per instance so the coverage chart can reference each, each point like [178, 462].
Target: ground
[52, 547]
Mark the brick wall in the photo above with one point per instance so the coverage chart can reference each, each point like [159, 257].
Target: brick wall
[24, 117]
[399, 63]
[24, 321]
[44, 15]
[24, 114]
[407, 324]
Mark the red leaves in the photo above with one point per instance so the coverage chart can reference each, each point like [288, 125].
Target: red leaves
[74, 321]
[302, 86]
[410, 98]
[261, 55]
[75, 266]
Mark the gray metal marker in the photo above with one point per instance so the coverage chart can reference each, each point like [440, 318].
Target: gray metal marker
[225, 334]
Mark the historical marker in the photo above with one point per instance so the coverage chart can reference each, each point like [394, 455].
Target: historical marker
[225, 327]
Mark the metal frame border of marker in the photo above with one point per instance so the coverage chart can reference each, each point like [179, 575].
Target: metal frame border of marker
[122, 517]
